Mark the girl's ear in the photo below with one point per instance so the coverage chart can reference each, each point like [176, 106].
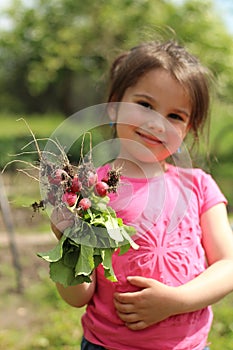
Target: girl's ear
[112, 111]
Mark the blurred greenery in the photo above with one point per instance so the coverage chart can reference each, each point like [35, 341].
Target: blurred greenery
[13, 125]
[15, 135]
[217, 153]
[54, 55]
[221, 335]
[50, 324]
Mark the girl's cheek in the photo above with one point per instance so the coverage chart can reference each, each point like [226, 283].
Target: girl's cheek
[174, 140]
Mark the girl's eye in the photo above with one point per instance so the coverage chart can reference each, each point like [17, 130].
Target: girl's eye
[144, 104]
[176, 117]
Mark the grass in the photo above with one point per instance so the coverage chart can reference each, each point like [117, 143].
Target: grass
[221, 335]
[39, 319]
[13, 126]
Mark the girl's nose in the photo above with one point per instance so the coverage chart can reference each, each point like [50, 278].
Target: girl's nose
[157, 124]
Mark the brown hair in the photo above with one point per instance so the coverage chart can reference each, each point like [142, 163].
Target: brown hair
[130, 66]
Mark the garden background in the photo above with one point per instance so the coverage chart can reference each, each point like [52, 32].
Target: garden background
[54, 58]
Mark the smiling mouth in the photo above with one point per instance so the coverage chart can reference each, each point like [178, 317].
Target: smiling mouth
[149, 138]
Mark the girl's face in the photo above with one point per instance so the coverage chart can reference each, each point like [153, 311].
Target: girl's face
[154, 118]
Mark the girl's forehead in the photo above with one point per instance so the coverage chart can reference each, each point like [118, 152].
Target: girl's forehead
[161, 81]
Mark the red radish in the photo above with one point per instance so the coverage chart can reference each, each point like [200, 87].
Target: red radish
[101, 188]
[105, 179]
[56, 177]
[76, 184]
[91, 179]
[69, 198]
[84, 204]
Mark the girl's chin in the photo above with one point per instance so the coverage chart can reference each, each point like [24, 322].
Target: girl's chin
[152, 158]
[147, 161]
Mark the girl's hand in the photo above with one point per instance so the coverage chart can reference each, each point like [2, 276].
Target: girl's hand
[154, 303]
[61, 218]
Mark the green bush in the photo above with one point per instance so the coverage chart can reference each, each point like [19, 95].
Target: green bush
[14, 135]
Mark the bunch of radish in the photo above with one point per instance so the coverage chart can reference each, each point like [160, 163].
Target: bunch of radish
[76, 188]
[96, 232]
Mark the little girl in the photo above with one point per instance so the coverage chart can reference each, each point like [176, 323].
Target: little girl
[158, 94]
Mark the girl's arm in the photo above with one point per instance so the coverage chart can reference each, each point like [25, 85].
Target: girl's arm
[156, 301]
[216, 281]
[78, 295]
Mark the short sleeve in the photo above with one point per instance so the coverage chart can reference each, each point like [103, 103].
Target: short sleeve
[211, 193]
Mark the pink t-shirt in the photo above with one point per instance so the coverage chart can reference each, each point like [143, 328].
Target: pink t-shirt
[166, 212]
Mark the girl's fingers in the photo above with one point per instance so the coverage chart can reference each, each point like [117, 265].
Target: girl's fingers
[136, 326]
[123, 308]
[126, 298]
[128, 318]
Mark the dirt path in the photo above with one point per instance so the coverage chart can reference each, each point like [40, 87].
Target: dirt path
[28, 239]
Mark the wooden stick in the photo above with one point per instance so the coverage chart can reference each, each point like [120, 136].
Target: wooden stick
[6, 213]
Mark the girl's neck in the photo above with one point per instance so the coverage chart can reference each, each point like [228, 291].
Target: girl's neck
[140, 170]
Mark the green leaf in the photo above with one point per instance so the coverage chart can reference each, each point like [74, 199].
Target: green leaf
[64, 274]
[98, 221]
[97, 259]
[85, 264]
[107, 264]
[124, 248]
[130, 229]
[61, 273]
[80, 279]
[93, 238]
[129, 239]
[112, 212]
[71, 257]
[99, 203]
[54, 254]
[113, 229]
